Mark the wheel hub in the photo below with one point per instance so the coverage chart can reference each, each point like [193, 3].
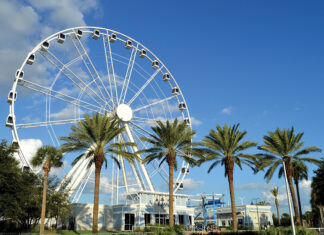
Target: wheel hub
[124, 112]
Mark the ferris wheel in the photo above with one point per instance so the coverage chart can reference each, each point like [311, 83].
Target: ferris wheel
[84, 70]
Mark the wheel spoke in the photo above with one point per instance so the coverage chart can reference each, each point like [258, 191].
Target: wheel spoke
[108, 70]
[83, 86]
[152, 104]
[94, 77]
[136, 172]
[157, 168]
[112, 67]
[140, 128]
[58, 95]
[74, 101]
[128, 74]
[47, 123]
[143, 87]
[148, 121]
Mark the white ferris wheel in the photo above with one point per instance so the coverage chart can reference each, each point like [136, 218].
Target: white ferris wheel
[91, 69]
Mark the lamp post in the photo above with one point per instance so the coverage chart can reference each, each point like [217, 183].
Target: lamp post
[288, 197]
[256, 204]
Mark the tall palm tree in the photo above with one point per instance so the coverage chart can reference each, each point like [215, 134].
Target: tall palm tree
[300, 172]
[223, 146]
[274, 192]
[47, 157]
[169, 142]
[284, 146]
[93, 137]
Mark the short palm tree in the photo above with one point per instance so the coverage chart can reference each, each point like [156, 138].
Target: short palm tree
[284, 146]
[47, 157]
[169, 142]
[224, 146]
[274, 192]
[93, 138]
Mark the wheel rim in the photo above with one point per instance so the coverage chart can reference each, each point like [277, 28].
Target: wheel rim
[78, 76]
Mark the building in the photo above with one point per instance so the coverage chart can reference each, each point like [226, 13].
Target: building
[141, 208]
[256, 216]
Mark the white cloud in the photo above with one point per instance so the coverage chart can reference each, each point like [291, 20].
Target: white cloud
[191, 184]
[195, 122]
[60, 172]
[23, 25]
[29, 148]
[227, 110]
[163, 108]
[306, 208]
[251, 186]
[105, 184]
[69, 112]
[61, 13]
[305, 186]
[282, 196]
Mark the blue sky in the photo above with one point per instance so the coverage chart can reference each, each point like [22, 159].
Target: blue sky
[256, 63]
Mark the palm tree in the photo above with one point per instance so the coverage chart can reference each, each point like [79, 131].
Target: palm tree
[300, 172]
[284, 146]
[93, 137]
[48, 157]
[169, 142]
[223, 146]
[274, 192]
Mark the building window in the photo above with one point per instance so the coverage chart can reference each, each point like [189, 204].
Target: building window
[161, 219]
[223, 223]
[129, 221]
[190, 220]
[147, 219]
[181, 219]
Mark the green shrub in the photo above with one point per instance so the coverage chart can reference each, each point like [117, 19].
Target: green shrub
[165, 229]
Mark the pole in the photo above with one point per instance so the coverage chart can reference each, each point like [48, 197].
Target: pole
[256, 204]
[289, 203]
[214, 207]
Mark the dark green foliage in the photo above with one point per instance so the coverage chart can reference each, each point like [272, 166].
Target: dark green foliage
[318, 184]
[275, 220]
[285, 219]
[279, 144]
[226, 142]
[169, 138]
[50, 154]
[309, 216]
[58, 206]
[317, 195]
[21, 194]
[165, 229]
[94, 135]
[9, 182]
[269, 231]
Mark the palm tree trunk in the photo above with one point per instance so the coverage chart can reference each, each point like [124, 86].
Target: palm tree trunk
[298, 198]
[46, 170]
[96, 199]
[231, 189]
[293, 195]
[278, 214]
[171, 219]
